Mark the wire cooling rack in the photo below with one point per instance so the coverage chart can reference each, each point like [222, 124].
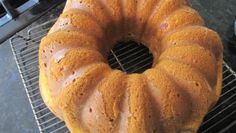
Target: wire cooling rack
[128, 57]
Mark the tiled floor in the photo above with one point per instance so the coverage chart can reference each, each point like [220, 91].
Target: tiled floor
[15, 112]
[16, 115]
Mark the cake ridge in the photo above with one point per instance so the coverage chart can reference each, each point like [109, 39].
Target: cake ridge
[184, 13]
[204, 34]
[149, 14]
[186, 54]
[193, 120]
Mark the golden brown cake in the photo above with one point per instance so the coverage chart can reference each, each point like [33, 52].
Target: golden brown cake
[173, 96]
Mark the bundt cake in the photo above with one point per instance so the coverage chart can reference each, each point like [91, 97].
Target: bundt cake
[79, 87]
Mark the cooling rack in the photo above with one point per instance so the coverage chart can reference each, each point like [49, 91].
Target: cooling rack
[128, 57]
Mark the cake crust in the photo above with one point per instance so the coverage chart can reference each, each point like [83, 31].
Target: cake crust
[80, 88]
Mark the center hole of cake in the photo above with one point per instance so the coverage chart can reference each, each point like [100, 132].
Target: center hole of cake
[130, 57]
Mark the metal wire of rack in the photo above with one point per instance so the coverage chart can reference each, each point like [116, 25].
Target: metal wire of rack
[127, 57]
